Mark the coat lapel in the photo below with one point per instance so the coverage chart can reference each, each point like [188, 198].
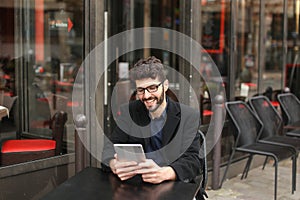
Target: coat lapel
[173, 120]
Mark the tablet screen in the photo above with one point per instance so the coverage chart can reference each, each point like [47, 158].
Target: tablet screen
[130, 152]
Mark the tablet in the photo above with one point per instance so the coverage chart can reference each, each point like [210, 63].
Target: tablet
[130, 152]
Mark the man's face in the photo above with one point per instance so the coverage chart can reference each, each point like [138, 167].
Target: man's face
[153, 99]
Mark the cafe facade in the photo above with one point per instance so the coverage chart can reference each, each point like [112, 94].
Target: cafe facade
[54, 57]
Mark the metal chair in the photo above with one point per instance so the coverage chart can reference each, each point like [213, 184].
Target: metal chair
[290, 107]
[23, 150]
[202, 193]
[273, 124]
[248, 129]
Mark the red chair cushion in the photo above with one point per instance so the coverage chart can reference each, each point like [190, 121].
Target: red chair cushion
[26, 145]
[275, 103]
[207, 112]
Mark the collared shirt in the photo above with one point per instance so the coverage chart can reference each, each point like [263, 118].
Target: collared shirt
[156, 126]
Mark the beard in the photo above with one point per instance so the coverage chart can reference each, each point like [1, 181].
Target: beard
[159, 101]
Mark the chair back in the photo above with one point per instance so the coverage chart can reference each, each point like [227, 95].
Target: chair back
[201, 193]
[248, 126]
[290, 106]
[9, 101]
[268, 115]
[57, 125]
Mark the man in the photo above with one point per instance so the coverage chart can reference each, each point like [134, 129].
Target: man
[167, 130]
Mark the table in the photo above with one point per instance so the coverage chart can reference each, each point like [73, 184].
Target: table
[92, 183]
[3, 112]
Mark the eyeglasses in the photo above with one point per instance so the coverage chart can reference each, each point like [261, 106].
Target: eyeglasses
[150, 89]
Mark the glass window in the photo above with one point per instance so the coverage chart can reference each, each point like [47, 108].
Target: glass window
[41, 51]
[247, 34]
[273, 56]
[9, 59]
[136, 14]
[292, 67]
[56, 54]
[259, 63]
[215, 37]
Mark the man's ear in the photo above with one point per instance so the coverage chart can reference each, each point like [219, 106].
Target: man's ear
[166, 84]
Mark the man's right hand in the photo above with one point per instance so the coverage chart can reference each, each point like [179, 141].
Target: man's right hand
[124, 170]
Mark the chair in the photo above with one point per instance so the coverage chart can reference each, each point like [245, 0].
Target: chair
[290, 107]
[9, 101]
[273, 125]
[248, 128]
[201, 193]
[56, 102]
[275, 94]
[205, 109]
[16, 151]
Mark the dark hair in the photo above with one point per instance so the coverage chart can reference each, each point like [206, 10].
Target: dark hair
[150, 67]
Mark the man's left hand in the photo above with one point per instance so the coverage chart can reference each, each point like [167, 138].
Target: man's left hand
[155, 174]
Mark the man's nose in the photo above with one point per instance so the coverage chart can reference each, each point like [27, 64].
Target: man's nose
[147, 94]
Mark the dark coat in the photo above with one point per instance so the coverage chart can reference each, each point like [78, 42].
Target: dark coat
[180, 137]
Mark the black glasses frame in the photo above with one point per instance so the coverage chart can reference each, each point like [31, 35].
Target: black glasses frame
[150, 89]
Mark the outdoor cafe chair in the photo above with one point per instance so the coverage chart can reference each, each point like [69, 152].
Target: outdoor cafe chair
[248, 128]
[202, 193]
[22, 150]
[273, 124]
[290, 108]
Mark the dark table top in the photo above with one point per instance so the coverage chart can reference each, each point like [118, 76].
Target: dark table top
[93, 183]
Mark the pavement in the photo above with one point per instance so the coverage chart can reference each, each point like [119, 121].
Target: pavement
[259, 185]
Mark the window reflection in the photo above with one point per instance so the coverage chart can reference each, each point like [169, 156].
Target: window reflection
[39, 60]
[247, 30]
[214, 39]
[57, 57]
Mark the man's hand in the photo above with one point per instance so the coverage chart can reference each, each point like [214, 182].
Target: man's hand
[155, 174]
[149, 170]
[124, 170]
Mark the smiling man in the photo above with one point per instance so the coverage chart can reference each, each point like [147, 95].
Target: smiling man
[167, 130]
